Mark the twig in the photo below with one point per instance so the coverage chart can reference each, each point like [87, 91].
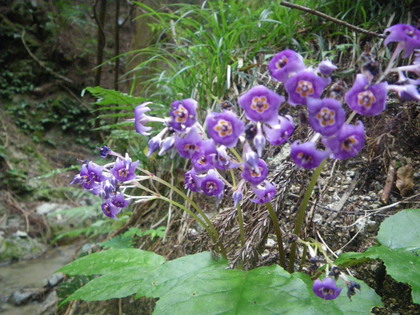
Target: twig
[389, 182]
[59, 76]
[325, 16]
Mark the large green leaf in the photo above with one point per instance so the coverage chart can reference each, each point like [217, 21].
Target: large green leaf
[111, 261]
[401, 231]
[199, 284]
[400, 239]
[265, 290]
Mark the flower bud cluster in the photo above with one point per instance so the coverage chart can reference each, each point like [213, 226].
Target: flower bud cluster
[106, 182]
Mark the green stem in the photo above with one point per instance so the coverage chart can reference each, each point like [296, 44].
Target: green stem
[241, 224]
[301, 214]
[211, 228]
[277, 230]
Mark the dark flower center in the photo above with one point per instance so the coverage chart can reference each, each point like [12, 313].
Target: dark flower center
[123, 172]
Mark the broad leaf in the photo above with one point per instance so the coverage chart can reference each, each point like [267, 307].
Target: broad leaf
[402, 230]
[265, 290]
[111, 261]
[400, 239]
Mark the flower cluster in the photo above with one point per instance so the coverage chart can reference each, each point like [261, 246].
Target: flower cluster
[106, 181]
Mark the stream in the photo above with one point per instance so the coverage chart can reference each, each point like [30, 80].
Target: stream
[32, 274]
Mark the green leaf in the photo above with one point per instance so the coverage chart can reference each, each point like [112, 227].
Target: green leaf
[112, 97]
[265, 290]
[401, 230]
[111, 261]
[400, 239]
[199, 284]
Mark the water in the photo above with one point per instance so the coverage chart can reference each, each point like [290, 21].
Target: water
[31, 274]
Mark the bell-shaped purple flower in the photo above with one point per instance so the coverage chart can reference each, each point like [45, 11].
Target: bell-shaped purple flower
[238, 194]
[222, 161]
[280, 133]
[124, 169]
[90, 174]
[156, 141]
[259, 140]
[261, 104]
[167, 145]
[347, 142]
[202, 161]
[189, 146]
[212, 185]
[264, 193]
[306, 155]
[326, 67]
[192, 181]
[303, 85]
[407, 92]
[119, 201]
[285, 64]
[110, 210]
[365, 99]
[183, 113]
[407, 37]
[326, 289]
[326, 116]
[106, 189]
[249, 156]
[225, 128]
[255, 176]
[141, 119]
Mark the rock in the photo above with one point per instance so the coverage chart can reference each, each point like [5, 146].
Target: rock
[50, 303]
[24, 296]
[48, 207]
[55, 279]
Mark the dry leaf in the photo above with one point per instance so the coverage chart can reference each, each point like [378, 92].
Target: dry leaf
[405, 181]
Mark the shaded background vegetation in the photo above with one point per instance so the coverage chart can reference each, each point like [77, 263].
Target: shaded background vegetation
[153, 51]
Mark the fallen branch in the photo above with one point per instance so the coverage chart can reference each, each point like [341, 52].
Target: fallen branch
[325, 16]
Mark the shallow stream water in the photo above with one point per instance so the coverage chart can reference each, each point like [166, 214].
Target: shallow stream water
[32, 273]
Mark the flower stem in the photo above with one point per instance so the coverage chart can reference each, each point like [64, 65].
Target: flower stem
[241, 224]
[277, 230]
[301, 214]
[211, 228]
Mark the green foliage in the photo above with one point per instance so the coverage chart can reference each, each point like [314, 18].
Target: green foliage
[399, 249]
[200, 284]
[127, 240]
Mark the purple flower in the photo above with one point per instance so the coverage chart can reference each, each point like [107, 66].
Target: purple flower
[183, 113]
[407, 92]
[225, 128]
[259, 140]
[303, 85]
[141, 119]
[365, 99]
[326, 289]
[249, 156]
[202, 161]
[306, 155]
[119, 201]
[281, 132]
[106, 189]
[90, 174]
[285, 64]
[110, 210]
[192, 181]
[238, 194]
[326, 67]
[261, 104]
[347, 142]
[155, 142]
[264, 193]
[255, 176]
[190, 145]
[212, 185]
[407, 37]
[124, 169]
[221, 160]
[326, 116]
[166, 145]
